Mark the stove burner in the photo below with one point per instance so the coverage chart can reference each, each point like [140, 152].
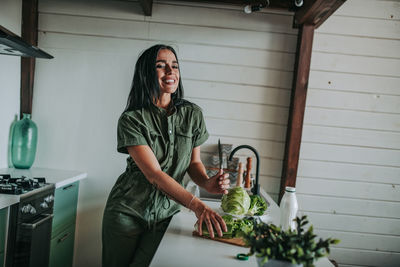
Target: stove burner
[16, 186]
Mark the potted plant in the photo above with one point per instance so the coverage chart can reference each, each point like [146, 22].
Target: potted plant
[275, 247]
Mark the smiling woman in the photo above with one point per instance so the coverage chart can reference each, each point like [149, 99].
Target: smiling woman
[168, 75]
[162, 134]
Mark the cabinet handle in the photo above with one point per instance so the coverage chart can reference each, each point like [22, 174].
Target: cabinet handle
[68, 186]
[62, 239]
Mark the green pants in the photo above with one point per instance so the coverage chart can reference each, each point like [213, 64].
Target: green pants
[128, 240]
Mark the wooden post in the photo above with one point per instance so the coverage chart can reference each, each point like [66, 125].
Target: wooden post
[29, 34]
[297, 107]
[147, 6]
[315, 12]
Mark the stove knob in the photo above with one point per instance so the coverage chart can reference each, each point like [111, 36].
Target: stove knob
[33, 210]
[49, 198]
[44, 205]
[25, 209]
[28, 209]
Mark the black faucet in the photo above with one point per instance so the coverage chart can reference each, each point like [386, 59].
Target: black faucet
[256, 188]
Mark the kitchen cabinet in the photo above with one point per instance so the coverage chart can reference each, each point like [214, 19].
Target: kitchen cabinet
[3, 228]
[62, 248]
[63, 231]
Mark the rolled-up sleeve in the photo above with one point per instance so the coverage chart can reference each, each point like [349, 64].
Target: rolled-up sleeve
[129, 133]
[201, 134]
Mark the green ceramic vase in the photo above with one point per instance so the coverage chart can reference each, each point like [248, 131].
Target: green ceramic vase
[24, 141]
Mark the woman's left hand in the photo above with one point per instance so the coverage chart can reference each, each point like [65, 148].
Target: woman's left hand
[218, 184]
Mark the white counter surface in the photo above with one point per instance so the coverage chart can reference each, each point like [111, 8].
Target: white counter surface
[179, 248]
[58, 177]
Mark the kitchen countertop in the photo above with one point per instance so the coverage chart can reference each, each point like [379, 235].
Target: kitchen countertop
[179, 248]
[57, 177]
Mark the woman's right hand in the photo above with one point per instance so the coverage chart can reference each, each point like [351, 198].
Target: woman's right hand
[211, 218]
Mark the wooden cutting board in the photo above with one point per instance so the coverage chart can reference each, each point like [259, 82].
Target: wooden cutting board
[233, 241]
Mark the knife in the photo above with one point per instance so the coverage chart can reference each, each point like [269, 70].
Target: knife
[220, 154]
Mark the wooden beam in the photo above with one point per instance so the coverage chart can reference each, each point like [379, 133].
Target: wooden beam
[315, 12]
[29, 34]
[274, 4]
[297, 107]
[147, 6]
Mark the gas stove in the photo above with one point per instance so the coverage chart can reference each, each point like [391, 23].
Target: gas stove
[20, 185]
[30, 220]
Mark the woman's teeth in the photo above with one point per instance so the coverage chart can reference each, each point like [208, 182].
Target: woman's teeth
[169, 81]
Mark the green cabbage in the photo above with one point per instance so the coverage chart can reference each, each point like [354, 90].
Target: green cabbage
[236, 227]
[236, 202]
[257, 206]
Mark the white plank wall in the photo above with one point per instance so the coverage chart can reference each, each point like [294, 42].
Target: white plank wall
[237, 67]
[349, 172]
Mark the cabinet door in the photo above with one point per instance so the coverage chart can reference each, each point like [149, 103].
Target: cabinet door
[3, 225]
[1, 259]
[62, 248]
[65, 203]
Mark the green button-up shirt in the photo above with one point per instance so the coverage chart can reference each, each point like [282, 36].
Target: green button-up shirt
[172, 139]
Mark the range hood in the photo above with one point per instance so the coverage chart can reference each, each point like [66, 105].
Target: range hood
[12, 44]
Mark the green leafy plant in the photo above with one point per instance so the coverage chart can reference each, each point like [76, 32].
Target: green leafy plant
[236, 227]
[257, 205]
[298, 246]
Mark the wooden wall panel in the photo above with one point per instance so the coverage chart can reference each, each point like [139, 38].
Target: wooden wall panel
[352, 223]
[235, 128]
[124, 10]
[351, 137]
[349, 171]
[351, 154]
[362, 240]
[93, 26]
[356, 64]
[378, 9]
[352, 205]
[351, 82]
[354, 101]
[361, 27]
[226, 37]
[389, 48]
[238, 56]
[236, 74]
[243, 111]
[197, 88]
[352, 119]
[348, 189]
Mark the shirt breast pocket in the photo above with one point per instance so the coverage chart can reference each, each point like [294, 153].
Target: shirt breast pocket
[184, 141]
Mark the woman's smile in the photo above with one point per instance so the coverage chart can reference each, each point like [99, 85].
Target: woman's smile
[167, 71]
